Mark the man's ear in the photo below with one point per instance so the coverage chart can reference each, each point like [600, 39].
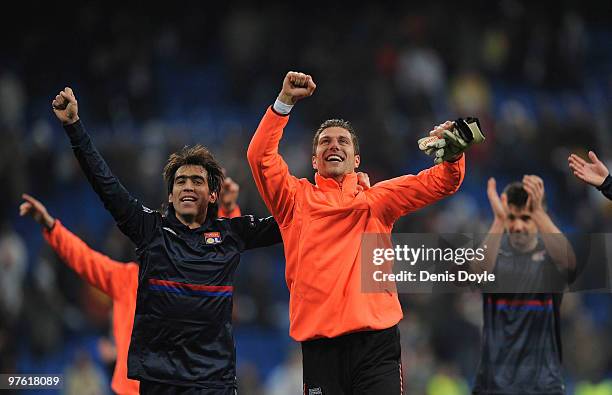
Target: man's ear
[170, 198]
[357, 161]
[213, 197]
[314, 162]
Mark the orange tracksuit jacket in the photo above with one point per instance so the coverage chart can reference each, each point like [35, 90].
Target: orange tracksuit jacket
[116, 279]
[322, 226]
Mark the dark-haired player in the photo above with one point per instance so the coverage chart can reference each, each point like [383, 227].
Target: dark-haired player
[532, 261]
[182, 339]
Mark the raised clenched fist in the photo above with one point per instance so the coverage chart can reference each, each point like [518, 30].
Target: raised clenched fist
[65, 106]
[296, 86]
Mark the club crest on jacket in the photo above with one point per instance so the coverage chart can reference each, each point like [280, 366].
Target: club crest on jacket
[212, 237]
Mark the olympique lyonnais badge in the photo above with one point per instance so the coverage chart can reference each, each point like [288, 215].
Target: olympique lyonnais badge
[212, 237]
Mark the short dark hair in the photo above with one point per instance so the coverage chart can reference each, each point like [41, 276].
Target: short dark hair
[517, 195]
[196, 155]
[341, 123]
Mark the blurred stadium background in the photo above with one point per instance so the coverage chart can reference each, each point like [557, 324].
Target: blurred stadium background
[149, 80]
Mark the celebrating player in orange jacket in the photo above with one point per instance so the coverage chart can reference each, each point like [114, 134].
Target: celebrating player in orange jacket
[350, 340]
[118, 280]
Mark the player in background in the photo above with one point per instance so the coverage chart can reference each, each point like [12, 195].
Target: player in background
[118, 280]
[350, 339]
[530, 257]
[594, 173]
[228, 208]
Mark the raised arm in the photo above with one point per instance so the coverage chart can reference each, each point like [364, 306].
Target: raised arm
[275, 184]
[134, 219]
[399, 196]
[555, 242]
[493, 239]
[95, 268]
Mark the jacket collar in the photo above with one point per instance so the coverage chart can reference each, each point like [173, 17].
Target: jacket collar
[171, 216]
[348, 185]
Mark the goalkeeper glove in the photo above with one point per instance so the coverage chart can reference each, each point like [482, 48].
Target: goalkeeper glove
[465, 133]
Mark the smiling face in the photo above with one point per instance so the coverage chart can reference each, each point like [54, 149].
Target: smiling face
[335, 156]
[190, 194]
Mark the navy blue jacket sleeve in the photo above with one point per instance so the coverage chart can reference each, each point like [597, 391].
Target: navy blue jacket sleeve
[135, 220]
[256, 232]
[606, 187]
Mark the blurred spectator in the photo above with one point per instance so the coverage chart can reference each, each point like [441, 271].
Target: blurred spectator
[286, 379]
[83, 378]
[12, 101]
[13, 261]
[447, 382]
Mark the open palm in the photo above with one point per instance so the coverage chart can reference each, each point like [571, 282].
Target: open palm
[593, 173]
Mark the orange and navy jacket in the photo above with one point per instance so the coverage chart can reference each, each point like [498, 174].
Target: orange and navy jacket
[116, 279]
[322, 227]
